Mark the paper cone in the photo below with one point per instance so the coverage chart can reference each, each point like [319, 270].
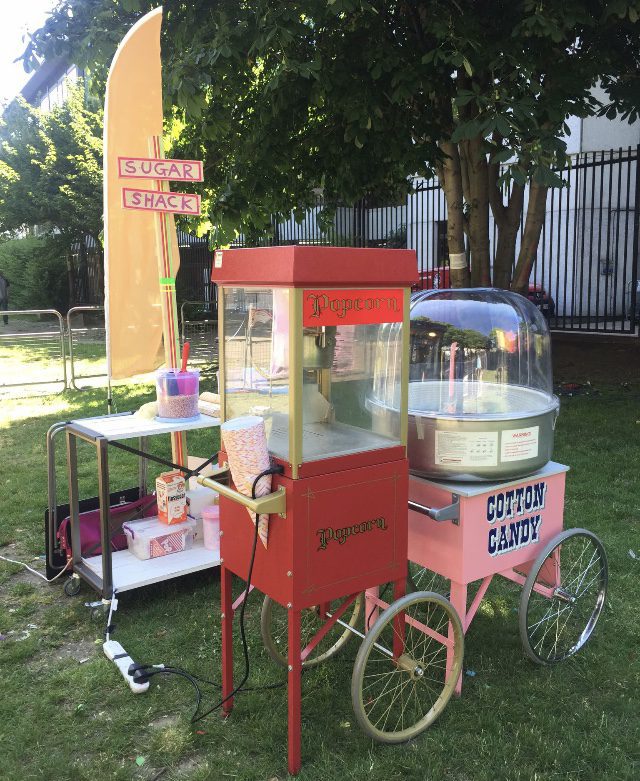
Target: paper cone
[245, 443]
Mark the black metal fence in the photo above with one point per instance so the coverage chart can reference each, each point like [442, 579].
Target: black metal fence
[585, 273]
[86, 273]
[586, 270]
[193, 281]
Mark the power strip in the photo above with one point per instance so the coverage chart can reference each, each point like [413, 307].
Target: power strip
[116, 653]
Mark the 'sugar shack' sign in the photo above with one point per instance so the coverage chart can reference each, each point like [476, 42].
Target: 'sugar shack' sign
[160, 170]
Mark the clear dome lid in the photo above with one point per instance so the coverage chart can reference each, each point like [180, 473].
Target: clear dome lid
[475, 353]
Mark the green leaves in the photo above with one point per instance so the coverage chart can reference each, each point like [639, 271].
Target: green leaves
[351, 96]
[502, 156]
[51, 168]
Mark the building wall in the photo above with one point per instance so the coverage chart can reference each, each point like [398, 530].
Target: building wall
[602, 133]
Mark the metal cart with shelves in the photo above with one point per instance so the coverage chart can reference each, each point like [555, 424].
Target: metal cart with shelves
[118, 571]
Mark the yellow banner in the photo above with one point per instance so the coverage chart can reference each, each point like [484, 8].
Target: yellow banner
[132, 117]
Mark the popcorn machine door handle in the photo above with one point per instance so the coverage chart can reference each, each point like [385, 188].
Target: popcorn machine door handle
[275, 502]
[451, 512]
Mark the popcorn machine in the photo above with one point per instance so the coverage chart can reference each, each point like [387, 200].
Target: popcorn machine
[298, 329]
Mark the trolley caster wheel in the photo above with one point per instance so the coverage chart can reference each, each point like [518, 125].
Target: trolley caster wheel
[72, 586]
[273, 628]
[563, 596]
[396, 697]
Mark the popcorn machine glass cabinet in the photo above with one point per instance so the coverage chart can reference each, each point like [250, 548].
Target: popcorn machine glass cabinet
[339, 362]
[328, 381]
[256, 359]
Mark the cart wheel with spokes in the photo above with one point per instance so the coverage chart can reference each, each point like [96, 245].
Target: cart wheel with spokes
[396, 697]
[563, 596]
[274, 622]
[420, 578]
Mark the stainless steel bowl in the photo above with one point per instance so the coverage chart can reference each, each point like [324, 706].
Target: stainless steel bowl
[473, 432]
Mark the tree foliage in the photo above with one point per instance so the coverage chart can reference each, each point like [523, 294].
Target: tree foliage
[51, 169]
[37, 273]
[356, 96]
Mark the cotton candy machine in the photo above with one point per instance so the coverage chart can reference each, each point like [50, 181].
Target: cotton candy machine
[481, 405]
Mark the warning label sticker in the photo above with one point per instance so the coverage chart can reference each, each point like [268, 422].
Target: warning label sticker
[477, 448]
[518, 444]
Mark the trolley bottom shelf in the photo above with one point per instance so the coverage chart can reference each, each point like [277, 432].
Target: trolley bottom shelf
[130, 572]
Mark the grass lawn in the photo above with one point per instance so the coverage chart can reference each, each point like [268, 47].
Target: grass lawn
[65, 713]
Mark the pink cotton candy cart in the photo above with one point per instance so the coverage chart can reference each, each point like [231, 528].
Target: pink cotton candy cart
[484, 500]
[462, 534]
[513, 529]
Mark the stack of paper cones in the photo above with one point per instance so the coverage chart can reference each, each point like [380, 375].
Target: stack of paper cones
[245, 443]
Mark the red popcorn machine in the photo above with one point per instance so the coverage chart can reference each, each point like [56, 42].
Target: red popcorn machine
[299, 346]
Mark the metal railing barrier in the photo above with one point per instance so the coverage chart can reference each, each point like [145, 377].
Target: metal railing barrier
[87, 344]
[43, 339]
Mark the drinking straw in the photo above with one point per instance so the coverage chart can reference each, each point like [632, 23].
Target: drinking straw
[452, 374]
[185, 357]
[184, 385]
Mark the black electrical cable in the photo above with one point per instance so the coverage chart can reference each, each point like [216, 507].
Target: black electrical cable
[163, 461]
[146, 675]
[245, 646]
[142, 673]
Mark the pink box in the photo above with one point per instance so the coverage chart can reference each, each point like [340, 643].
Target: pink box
[501, 526]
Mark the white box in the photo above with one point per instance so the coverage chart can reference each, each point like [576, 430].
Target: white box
[150, 538]
[200, 497]
[171, 493]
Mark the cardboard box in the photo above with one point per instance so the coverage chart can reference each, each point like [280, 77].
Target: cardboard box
[171, 495]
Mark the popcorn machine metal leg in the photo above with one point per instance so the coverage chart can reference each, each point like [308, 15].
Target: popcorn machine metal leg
[227, 638]
[294, 691]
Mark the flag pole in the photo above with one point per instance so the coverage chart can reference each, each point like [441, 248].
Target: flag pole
[165, 236]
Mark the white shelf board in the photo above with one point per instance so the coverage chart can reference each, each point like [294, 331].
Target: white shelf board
[114, 427]
[130, 572]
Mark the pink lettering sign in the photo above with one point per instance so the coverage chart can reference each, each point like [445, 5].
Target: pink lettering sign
[158, 201]
[167, 170]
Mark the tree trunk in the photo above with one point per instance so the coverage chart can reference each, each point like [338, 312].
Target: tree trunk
[475, 164]
[450, 176]
[530, 237]
[508, 222]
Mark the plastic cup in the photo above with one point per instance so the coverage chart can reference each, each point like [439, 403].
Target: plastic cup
[177, 393]
[211, 526]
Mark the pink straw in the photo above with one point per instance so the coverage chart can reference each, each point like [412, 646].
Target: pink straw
[452, 372]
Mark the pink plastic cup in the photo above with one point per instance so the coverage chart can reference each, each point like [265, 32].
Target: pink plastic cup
[211, 526]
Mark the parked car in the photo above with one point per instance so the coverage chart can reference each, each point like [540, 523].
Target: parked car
[539, 296]
[435, 279]
[438, 278]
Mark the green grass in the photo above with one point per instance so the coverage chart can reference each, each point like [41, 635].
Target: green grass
[65, 713]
